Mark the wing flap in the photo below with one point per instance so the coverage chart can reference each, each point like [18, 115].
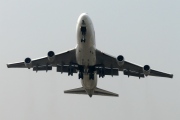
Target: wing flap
[42, 68]
[65, 68]
[109, 71]
[133, 73]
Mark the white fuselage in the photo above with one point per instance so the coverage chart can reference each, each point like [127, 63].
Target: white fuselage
[86, 51]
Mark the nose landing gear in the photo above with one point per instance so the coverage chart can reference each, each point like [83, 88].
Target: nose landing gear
[83, 31]
[83, 40]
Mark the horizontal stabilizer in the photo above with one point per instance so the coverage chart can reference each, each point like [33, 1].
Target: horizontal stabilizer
[102, 92]
[97, 91]
[76, 91]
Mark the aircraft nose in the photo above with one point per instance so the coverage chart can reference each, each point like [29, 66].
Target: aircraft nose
[84, 14]
[84, 20]
[84, 17]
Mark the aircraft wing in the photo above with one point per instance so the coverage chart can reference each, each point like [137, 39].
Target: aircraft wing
[128, 68]
[64, 58]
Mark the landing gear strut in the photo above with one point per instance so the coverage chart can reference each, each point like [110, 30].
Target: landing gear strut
[81, 76]
[91, 72]
[101, 72]
[70, 70]
[83, 39]
[81, 71]
[91, 76]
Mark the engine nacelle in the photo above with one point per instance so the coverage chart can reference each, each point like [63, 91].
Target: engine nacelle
[146, 70]
[51, 56]
[120, 60]
[28, 62]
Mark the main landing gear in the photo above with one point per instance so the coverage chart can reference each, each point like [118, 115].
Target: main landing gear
[90, 72]
[91, 76]
[101, 72]
[70, 70]
[81, 76]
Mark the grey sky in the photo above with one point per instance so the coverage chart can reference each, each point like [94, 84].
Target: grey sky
[144, 31]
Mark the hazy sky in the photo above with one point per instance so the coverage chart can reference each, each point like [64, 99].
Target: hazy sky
[143, 31]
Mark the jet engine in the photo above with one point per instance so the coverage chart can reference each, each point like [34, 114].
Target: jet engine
[146, 70]
[51, 56]
[120, 60]
[28, 62]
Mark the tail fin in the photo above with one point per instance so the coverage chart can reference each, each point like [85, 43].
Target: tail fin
[97, 91]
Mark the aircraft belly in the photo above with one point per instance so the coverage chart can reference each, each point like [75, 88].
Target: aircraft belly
[85, 55]
[87, 83]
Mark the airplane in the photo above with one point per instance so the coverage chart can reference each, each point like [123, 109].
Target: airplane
[89, 62]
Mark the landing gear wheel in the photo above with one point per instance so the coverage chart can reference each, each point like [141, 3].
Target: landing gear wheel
[83, 40]
[101, 73]
[100, 76]
[70, 72]
[81, 76]
[91, 76]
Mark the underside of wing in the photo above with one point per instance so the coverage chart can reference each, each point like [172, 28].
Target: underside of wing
[128, 68]
[146, 70]
[160, 74]
[46, 63]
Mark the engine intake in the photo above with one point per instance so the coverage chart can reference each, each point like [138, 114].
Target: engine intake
[146, 70]
[120, 60]
[28, 62]
[51, 56]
